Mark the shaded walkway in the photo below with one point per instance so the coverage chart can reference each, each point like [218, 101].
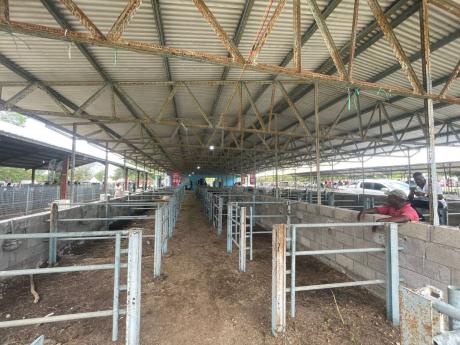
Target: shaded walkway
[203, 299]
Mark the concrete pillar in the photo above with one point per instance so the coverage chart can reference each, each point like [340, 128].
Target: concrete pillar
[138, 178]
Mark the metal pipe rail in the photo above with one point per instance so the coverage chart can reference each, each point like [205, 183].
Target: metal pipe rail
[165, 222]
[132, 287]
[284, 234]
[239, 226]
[166, 213]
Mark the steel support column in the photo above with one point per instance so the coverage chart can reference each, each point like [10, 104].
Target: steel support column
[106, 170]
[429, 114]
[317, 144]
[72, 171]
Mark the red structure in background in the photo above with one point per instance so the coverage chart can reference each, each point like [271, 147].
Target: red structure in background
[252, 179]
[175, 179]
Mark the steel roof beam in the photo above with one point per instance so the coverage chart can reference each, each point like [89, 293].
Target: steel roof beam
[53, 93]
[155, 49]
[4, 11]
[395, 45]
[162, 38]
[118, 27]
[236, 39]
[450, 81]
[123, 19]
[258, 45]
[414, 57]
[304, 39]
[449, 6]
[328, 65]
[218, 29]
[327, 37]
[83, 18]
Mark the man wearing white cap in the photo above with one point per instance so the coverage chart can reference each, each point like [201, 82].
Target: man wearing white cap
[398, 208]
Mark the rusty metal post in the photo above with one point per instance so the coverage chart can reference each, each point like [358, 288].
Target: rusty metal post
[296, 14]
[429, 114]
[278, 279]
[4, 11]
[353, 41]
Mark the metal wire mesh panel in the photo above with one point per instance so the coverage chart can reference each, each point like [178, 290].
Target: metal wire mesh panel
[23, 200]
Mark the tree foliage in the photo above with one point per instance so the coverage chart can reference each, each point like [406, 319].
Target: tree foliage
[13, 118]
[119, 174]
[16, 175]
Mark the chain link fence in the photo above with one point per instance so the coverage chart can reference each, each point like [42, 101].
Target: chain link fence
[23, 200]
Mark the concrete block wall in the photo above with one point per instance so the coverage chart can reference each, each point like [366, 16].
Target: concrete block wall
[30, 252]
[431, 255]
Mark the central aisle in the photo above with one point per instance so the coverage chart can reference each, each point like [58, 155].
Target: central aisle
[202, 299]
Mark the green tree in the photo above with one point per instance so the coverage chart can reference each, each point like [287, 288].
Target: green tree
[13, 118]
[84, 173]
[99, 175]
[14, 175]
[120, 174]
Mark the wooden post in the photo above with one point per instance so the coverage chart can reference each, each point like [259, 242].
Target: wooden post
[278, 279]
[52, 251]
[64, 170]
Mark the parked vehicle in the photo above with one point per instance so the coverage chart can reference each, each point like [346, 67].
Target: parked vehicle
[374, 187]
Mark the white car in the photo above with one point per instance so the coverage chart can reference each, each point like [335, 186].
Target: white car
[374, 187]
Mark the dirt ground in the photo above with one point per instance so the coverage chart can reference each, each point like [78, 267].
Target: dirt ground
[200, 299]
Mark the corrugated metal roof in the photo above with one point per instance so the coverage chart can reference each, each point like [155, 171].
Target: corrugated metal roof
[57, 63]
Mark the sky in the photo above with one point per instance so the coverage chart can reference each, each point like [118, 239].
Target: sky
[443, 154]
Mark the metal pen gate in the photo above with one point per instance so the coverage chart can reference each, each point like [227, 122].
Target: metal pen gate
[132, 286]
[284, 234]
